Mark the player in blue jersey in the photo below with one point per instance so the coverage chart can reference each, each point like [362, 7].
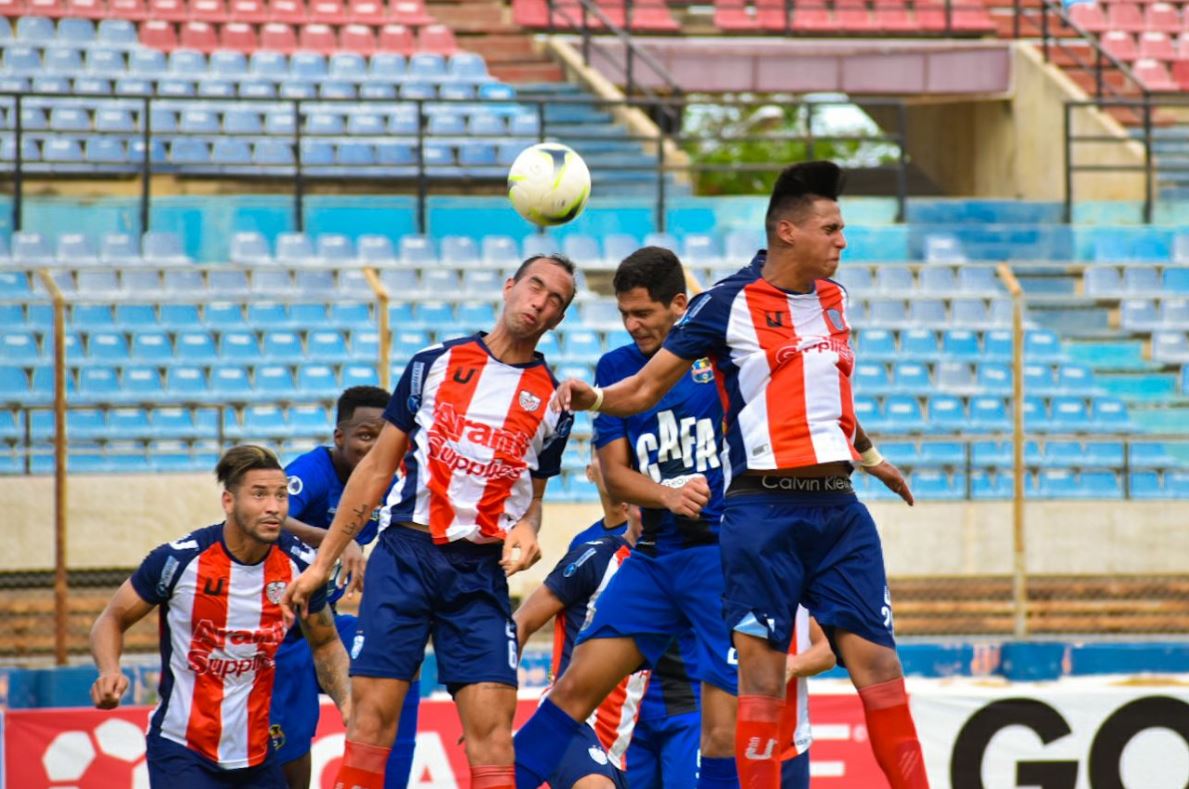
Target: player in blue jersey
[316, 482]
[667, 460]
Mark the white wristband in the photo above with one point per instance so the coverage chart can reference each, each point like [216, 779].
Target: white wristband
[598, 403]
[870, 457]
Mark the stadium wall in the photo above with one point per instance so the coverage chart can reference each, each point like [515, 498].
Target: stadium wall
[115, 520]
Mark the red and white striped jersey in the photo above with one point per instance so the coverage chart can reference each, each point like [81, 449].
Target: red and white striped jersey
[479, 431]
[577, 581]
[795, 716]
[221, 624]
[784, 366]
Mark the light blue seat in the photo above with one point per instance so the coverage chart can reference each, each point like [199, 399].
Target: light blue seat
[347, 66]
[189, 151]
[107, 346]
[911, 377]
[127, 423]
[105, 150]
[457, 251]
[325, 123]
[1060, 454]
[1107, 454]
[937, 279]
[241, 121]
[14, 382]
[35, 29]
[1176, 484]
[499, 251]
[249, 248]
[1105, 281]
[274, 380]
[896, 281]
[226, 151]
[918, 344]
[888, 312]
[13, 284]
[265, 421]
[60, 60]
[936, 485]
[994, 378]
[1139, 315]
[307, 66]
[317, 153]
[871, 378]
[196, 347]
[295, 249]
[988, 414]
[256, 88]
[363, 375]
[400, 313]
[436, 314]
[942, 453]
[1058, 484]
[870, 413]
[239, 346]
[187, 381]
[315, 314]
[947, 414]
[1109, 415]
[387, 65]
[903, 414]
[87, 84]
[62, 150]
[482, 281]
[309, 421]
[336, 89]
[1042, 345]
[179, 316]
[998, 345]
[582, 346]
[91, 316]
[1141, 280]
[272, 152]
[230, 382]
[1174, 313]
[877, 344]
[956, 377]
[282, 346]
[1146, 485]
[317, 380]
[473, 316]
[1036, 415]
[325, 344]
[355, 153]
[928, 312]
[151, 346]
[440, 281]
[1150, 454]
[263, 63]
[1099, 484]
[365, 123]
[98, 384]
[18, 347]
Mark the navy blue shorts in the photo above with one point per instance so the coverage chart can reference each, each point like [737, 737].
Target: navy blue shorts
[456, 594]
[293, 713]
[174, 766]
[664, 752]
[821, 550]
[794, 773]
[653, 599]
[584, 757]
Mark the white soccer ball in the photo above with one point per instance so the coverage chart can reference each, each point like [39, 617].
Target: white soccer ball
[548, 184]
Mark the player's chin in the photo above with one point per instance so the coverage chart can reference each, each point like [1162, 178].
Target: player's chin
[268, 531]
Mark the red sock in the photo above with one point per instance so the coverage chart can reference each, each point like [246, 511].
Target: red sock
[757, 746]
[893, 736]
[362, 767]
[493, 776]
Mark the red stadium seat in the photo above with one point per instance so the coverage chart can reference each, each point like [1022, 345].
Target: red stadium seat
[317, 38]
[168, 10]
[1156, 46]
[54, 9]
[530, 13]
[159, 35]
[1154, 75]
[12, 8]
[358, 38]
[278, 37]
[1120, 45]
[86, 9]
[1183, 47]
[772, 15]
[1125, 17]
[970, 16]
[653, 17]
[208, 11]
[852, 15]
[238, 36]
[1089, 16]
[367, 12]
[1180, 73]
[411, 13]
[1162, 17]
[732, 16]
[327, 12]
[891, 16]
[252, 12]
[812, 18]
[397, 38]
[291, 12]
[127, 9]
[200, 36]
[437, 38]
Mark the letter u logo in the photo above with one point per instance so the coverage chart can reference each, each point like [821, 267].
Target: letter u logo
[216, 590]
[754, 743]
[464, 376]
[775, 320]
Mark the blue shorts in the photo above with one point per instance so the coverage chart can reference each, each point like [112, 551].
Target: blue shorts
[794, 773]
[584, 757]
[821, 550]
[652, 599]
[456, 593]
[293, 713]
[174, 766]
[664, 752]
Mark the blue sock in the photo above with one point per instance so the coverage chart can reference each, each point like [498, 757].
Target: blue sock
[541, 743]
[718, 773]
[400, 758]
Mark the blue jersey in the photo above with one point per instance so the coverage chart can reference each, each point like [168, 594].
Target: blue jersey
[679, 437]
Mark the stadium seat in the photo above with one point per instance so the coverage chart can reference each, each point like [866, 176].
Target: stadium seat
[1150, 454]
[947, 414]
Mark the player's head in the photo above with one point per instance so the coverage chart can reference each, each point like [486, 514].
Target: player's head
[359, 417]
[537, 295]
[804, 222]
[650, 290]
[255, 491]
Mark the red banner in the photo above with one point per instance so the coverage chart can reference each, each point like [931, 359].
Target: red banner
[91, 749]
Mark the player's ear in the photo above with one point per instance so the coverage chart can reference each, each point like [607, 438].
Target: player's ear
[338, 437]
[679, 303]
[228, 501]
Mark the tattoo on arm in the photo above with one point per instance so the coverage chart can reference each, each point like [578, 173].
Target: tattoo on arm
[359, 518]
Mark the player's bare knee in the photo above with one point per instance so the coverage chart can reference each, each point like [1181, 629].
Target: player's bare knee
[573, 696]
[718, 739]
[594, 782]
[490, 747]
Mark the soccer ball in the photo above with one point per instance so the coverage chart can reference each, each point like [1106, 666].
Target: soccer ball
[548, 184]
[111, 755]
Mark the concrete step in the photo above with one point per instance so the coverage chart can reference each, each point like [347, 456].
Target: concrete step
[474, 17]
[526, 72]
[503, 47]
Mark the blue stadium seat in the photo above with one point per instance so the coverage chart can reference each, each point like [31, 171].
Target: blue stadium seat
[476, 315]
[877, 344]
[436, 314]
[400, 313]
[1059, 454]
[1099, 485]
[988, 414]
[265, 421]
[98, 384]
[947, 414]
[1150, 454]
[956, 377]
[1038, 379]
[871, 378]
[239, 346]
[961, 345]
[978, 279]
[582, 346]
[324, 344]
[186, 382]
[998, 345]
[481, 281]
[317, 380]
[938, 279]
[282, 346]
[903, 415]
[14, 284]
[249, 248]
[895, 281]
[911, 377]
[1141, 281]
[994, 378]
[272, 152]
[1146, 485]
[943, 248]
[315, 282]
[1036, 415]
[196, 347]
[600, 314]
[231, 382]
[309, 421]
[440, 280]
[902, 453]
[362, 375]
[1176, 484]
[1107, 454]
[1104, 281]
[19, 347]
[14, 383]
[417, 250]
[106, 346]
[549, 346]
[1109, 415]
[888, 312]
[930, 484]
[127, 423]
[1042, 345]
[301, 315]
[1176, 280]
[274, 379]
[459, 251]
[942, 453]
[928, 312]
[918, 344]
[142, 384]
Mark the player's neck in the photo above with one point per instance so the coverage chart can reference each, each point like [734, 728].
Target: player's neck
[244, 549]
[783, 272]
[508, 349]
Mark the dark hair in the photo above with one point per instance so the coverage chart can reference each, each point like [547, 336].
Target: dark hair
[359, 397]
[555, 258]
[239, 460]
[655, 269]
[799, 184]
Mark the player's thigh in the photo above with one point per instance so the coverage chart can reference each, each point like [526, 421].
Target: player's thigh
[585, 764]
[849, 589]
[763, 571]
[375, 705]
[294, 710]
[596, 667]
[794, 773]
[394, 613]
[679, 750]
[485, 710]
[637, 604]
[698, 587]
[718, 721]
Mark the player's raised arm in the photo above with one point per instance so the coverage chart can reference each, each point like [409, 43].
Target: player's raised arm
[125, 609]
[625, 483]
[366, 485]
[632, 395]
[532, 615]
[330, 658]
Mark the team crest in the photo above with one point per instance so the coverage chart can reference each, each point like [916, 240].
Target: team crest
[529, 401]
[702, 371]
[834, 318]
[295, 486]
[597, 754]
[275, 591]
[277, 735]
[357, 645]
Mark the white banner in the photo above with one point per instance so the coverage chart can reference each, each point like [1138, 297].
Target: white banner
[1075, 734]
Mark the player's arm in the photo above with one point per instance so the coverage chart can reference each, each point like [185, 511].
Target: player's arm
[354, 562]
[541, 606]
[877, 466]
[366, 485]
[625, 483]
[330, 658]
[633, 394]
[815, 660]
[125, 609]
[521, 550]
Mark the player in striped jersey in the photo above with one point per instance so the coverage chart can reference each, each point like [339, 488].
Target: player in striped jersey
[219, 591]
[792, 530]
[809, 655]
[471, 431]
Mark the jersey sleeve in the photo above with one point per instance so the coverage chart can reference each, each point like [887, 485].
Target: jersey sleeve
[306, 487]
[154, 579]
[406, 398]
[549, 458]
[607, 428]
[702, 330]
[576, 577]
[303, 555]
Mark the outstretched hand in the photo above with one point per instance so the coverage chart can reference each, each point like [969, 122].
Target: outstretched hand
[297, 594]
[521, 550]
[573, 394]
[890, 476]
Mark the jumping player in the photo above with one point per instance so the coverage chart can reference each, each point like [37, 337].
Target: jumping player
[668, 461]
[792, 529]
[219, 591]
[316, 482]
[470, 428]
